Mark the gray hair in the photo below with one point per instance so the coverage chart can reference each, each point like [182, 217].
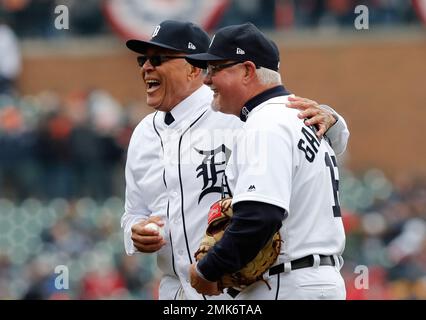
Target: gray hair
[268, 76]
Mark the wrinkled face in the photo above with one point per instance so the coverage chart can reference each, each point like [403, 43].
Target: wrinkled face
[224, 78]
[166, 84]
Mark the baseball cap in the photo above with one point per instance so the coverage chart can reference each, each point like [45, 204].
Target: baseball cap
[242, 42]
[174, 35]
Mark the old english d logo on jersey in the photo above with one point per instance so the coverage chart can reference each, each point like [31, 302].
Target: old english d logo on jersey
[209, 169]
[226, 191]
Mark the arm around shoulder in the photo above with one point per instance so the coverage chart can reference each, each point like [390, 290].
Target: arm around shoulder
[338, 133]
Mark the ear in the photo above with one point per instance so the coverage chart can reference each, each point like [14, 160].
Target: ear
[193, 72]
[249, 72]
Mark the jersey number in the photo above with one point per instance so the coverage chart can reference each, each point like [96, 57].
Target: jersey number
[331, 164]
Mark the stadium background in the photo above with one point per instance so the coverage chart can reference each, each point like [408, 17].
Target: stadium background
[65, 127]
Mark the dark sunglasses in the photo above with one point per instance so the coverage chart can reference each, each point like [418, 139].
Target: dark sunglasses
[156, 60]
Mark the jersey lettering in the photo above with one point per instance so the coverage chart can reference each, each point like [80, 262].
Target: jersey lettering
[311, 138]
[332, 165]
[311, 149]
[309, 153]
[209, 169]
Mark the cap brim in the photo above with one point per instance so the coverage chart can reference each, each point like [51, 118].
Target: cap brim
[141, 46]
[200, 60]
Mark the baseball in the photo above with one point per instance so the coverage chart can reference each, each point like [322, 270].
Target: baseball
[155, 227]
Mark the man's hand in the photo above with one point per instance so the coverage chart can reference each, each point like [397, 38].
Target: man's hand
[321, 118]
[147, 240]
[201, 285]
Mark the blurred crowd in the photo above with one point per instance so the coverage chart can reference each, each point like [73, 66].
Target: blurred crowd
[385, 224]
[285, 14]
[61, 197]
[69, 250]
[67, 147]
[385, 255]
[34, 18]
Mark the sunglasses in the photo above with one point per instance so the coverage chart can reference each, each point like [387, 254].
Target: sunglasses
[212, 70]
[157, 60]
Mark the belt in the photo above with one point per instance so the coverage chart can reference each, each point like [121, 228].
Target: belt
[304, 262]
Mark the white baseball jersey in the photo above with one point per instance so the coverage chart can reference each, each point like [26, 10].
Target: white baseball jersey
[176, 171]
[278, 160]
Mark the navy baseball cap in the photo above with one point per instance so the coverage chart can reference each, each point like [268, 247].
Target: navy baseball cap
[174, 35]
[242, 42]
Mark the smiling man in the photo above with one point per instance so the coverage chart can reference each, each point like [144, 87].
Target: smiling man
[166, 87]
[177, 155]
[297, 193]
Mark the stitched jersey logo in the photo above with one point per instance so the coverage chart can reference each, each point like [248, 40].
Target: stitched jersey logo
[251, 188]
[209, 170]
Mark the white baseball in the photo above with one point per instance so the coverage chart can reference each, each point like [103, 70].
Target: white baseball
[155, 227]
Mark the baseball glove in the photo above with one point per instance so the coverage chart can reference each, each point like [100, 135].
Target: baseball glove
[218, 220]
